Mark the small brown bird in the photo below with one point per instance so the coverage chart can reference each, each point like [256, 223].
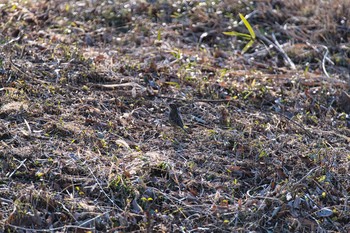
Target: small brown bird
[175, 117]
[225, 117]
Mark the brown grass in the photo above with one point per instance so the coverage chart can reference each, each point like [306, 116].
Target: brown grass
[85, 142]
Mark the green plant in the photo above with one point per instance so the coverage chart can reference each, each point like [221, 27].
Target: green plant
[251, 36]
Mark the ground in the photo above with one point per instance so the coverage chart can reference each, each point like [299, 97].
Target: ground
[85, 140]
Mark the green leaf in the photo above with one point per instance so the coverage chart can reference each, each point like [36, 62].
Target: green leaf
[251, 36]
[247, 24]
[245, 36]
[247, 46]
[159, 35]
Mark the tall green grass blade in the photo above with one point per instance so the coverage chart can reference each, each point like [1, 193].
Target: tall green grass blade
[247, 25]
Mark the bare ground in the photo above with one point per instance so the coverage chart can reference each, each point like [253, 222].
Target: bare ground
[86, 145]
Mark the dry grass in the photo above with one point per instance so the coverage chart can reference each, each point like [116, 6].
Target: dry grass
[85, 143]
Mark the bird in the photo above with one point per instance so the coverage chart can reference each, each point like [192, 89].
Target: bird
[175, 117]
[225, 117]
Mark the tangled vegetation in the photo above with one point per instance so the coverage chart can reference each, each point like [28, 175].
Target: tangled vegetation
[85, 140]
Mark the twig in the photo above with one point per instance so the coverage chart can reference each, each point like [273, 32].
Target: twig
[92, 219]
[325, 56]
[18, 38]
[278, 48]
[6, 200]
[19, 166]
[285, 56]
[196, 100]
[112, 86]
[28, 126]
[308, 174]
